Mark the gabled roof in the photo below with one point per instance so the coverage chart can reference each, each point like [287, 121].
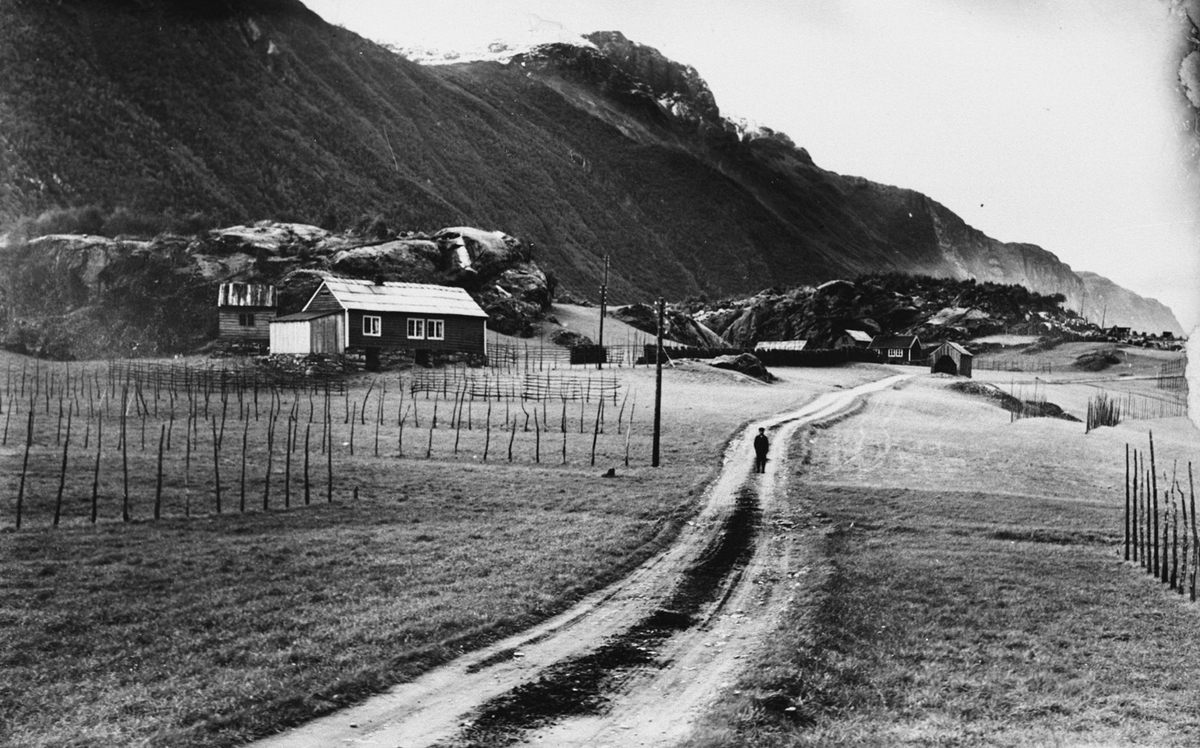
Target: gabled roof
[859, 335]
[412, 298]
[955, 346]
[894, 341]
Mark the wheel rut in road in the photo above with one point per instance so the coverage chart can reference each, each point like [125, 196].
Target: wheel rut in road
[636, 663]
[580, 685]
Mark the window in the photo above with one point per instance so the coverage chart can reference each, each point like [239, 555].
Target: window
[371, 325]
[436, 329]
[246, 320]
[895, 353]
[416, 328]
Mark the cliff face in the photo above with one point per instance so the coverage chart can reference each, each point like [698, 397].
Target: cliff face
[1105, 303]
[260, 110]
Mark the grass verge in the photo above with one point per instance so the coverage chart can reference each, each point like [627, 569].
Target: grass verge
[943, 618]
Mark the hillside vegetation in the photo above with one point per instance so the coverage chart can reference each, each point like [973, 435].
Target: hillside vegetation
[76, 296]
[260, 110]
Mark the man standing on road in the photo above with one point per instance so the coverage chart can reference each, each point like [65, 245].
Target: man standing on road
[761, 447]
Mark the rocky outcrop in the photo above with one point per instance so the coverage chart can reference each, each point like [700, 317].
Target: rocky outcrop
[931, 308]
[75, 296]
[677, 88]
[678, 326]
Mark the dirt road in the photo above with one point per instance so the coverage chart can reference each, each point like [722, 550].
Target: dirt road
[632, 664]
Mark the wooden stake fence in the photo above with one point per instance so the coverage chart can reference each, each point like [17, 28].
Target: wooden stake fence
[1161, 537]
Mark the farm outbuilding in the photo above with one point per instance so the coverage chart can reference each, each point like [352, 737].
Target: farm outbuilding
[897, 349]
[852, 339]
[245, 311]
[308, 332]
[951, 358]
[347, 314]
[781, 345]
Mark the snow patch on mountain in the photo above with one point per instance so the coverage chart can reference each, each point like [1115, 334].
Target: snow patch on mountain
[748, 130]
[541, 33]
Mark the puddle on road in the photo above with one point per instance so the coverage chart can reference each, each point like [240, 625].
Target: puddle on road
[580, 685]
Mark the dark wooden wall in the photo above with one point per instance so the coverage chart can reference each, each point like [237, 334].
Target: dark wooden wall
[230, 329]
[464, 334]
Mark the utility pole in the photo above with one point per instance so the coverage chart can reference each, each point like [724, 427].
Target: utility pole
[658, 358]
[603, 312]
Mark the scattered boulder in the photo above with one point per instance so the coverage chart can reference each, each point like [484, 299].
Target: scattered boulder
[1097, 360]
[569, 338]
[744, 363]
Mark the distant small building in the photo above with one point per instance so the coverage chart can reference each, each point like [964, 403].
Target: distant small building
[853, 339]
[245, 311]
[781, 345]
[347, 314]
[950, 358]
[897, 349]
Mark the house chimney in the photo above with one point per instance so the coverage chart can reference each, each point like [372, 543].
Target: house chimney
[379, 279]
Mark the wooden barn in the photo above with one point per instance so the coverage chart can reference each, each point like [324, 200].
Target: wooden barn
[245, 311]
[852, 339]
[897, 349]
[346, 314]
[950, 358]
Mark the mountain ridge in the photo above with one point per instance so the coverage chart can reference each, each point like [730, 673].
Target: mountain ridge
[261, 110]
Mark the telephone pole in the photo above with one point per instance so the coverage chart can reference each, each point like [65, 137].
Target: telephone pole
[658, 358]
[603, 311]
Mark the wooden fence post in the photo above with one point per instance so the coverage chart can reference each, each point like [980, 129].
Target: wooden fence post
[1127, 506]
[96, 474]
[329, 467]
[24, 468]
[287, 465]
[487, 438]
[1154, 491]
[1195, 533]
[307, 433]
[162, 439]
[596, 429]
[216, 462]
[125, 459]
[266, 503]
[62, 476]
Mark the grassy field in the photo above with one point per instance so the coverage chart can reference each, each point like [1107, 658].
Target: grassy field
[204, 629]
[960, 583]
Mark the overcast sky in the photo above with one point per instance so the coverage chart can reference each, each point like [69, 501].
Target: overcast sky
[1054, 122]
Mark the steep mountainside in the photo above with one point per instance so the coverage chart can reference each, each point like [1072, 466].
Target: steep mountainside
[232, 112]
[1106, 303]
